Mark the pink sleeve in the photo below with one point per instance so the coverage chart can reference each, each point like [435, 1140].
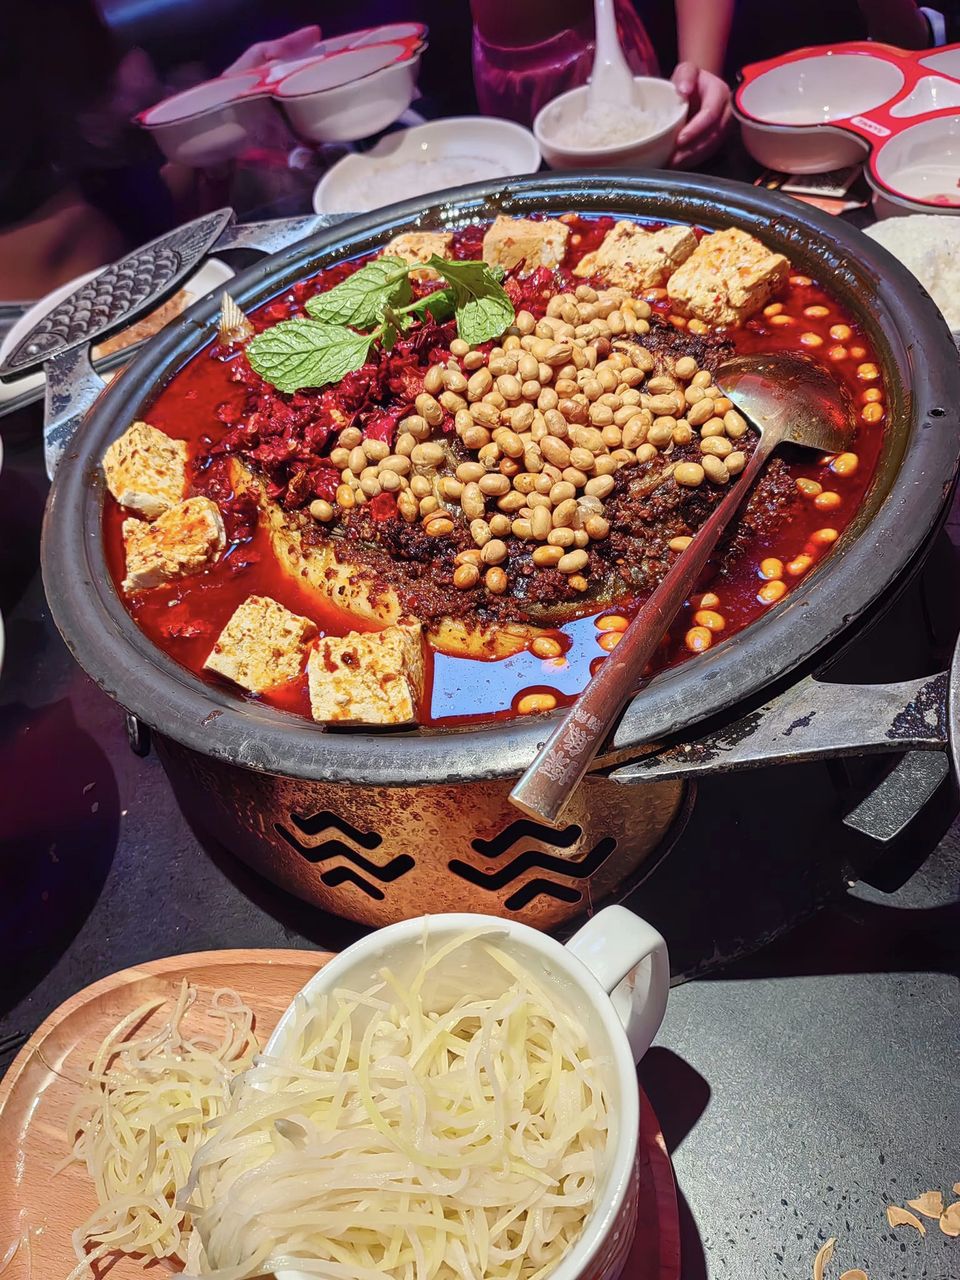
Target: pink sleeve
[514, 83]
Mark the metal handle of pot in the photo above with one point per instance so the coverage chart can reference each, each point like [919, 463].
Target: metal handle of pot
[109, 300]
[886, 811]
[276, 233]
[815, 720]
[812, 720]
[72, 384]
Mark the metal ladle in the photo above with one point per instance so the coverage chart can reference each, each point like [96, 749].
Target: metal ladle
[788, 398]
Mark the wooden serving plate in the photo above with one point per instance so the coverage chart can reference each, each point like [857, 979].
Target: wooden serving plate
[41, 1088]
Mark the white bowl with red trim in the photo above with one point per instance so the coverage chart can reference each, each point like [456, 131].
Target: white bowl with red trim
[344, 88]
[918, 169]
[783, 111]
[212, 122]
[381, 35]
[403, 32]
[788, 149]
[351, 94]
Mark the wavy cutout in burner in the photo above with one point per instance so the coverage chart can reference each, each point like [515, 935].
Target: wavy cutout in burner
[333, 848]
[337, 876]
[536, 859]
[524, 829]
[548, 888]
[316, 823]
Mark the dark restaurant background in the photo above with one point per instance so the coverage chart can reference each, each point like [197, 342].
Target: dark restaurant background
[79, 182]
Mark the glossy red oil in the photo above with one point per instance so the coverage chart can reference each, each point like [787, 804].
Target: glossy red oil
[185, 618]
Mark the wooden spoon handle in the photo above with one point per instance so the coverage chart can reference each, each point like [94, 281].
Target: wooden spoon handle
[544, 790]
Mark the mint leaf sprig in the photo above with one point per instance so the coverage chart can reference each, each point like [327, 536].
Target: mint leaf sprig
[307, 353]
[359, 300]
[481, 304]
[315, 351]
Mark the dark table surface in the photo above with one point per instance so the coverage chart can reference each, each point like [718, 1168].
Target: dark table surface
[800, 1090]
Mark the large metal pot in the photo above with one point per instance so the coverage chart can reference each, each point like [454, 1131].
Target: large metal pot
[215, 742]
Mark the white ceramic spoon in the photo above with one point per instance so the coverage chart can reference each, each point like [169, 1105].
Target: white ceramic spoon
[611, 82]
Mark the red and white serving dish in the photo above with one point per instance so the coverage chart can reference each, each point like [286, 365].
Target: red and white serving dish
[350, 94]
[212, 122]
[344, 88]
[391, 32]
[817, 109]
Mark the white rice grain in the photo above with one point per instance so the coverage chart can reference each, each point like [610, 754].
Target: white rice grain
[928, 245]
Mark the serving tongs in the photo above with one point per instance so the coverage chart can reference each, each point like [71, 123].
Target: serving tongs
[60, 341]
[789, 399]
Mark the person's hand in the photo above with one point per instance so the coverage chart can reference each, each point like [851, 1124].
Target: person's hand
[710, 113]
[294, 45]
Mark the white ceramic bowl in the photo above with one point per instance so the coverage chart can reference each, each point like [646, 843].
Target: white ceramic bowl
[430, 157]
[789, 149]
[782, 112]
[946, 61]
[658, 98]
[350, 95]
[918, 170]
[272, 72]
[886, 206]
[210, 123]
[615, 974]
[816, 90]
[932, 93]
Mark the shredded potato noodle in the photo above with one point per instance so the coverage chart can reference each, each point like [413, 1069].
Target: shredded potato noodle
[20, 1246]
[141, 1118]
[406, 1138]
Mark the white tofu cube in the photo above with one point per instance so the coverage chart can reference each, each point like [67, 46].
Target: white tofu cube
[184, 540]
[512, 242]
[727, 278]
[420, 246]
[637, 259]
[371, 677]
[262, 645]
[145, 470]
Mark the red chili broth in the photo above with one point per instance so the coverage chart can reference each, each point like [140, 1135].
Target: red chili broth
[184, 618]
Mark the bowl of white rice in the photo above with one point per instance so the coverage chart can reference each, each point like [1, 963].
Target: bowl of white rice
[928, 245]
[573, 134]
[430, 157]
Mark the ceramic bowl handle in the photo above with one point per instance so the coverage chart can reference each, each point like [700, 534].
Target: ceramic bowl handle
[628, 957]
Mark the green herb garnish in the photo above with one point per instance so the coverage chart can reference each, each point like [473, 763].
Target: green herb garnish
[325, 348]
[359, 300]
[482, 307]
[307, 353]
[441, 304]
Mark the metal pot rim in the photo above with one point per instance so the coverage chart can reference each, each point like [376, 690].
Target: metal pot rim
[892, 529]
